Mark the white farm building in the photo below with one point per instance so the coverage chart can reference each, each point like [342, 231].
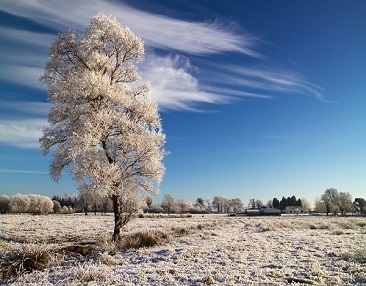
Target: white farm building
[295, 210]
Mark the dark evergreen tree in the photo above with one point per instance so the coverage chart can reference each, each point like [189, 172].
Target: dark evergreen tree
[293, 201]
[299, 203]
[283, 204]
[276, 203]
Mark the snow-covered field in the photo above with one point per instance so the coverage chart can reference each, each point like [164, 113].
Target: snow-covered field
[216, 250]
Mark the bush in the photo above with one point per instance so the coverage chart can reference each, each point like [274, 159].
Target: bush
[147, 238]
[17, 258]
[56, 207]
[4, 204]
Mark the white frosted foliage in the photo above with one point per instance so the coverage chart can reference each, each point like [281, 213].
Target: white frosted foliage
[103, 123]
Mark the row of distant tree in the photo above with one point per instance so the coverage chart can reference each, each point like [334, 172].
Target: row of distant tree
[34, 204]
[331, 202]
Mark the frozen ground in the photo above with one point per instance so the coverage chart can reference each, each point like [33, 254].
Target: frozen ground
[215, 250]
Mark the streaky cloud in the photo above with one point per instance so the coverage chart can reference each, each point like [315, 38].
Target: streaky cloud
[21, 171]
[22, 133]
[158, 31]
[257, 80]
[23, 107]
[174, 87]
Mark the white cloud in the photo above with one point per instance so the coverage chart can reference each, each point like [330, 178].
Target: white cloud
[22, 133]
[173, 85]
[39, 109]
[157, 30]
[22, 75]
[258, 80]
[21, 171]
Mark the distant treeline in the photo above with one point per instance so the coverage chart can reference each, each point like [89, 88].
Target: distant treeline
[287, 202]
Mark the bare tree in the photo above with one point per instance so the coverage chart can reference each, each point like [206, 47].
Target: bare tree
[103, 122]
[305, 204]
[168, 203]
[252, 203]
[319, 205]
[258, 203]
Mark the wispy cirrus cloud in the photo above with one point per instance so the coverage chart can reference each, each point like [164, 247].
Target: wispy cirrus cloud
[264, 81]
[174, 86]
[157, 30]
[22, 133]
[176, 83]
[12, 171]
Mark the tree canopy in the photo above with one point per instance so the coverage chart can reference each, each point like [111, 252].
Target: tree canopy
[103, 123]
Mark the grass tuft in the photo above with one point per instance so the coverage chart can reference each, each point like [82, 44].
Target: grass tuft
[147, 238]
[16, 258]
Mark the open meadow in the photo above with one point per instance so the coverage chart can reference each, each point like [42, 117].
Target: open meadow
[212, 250]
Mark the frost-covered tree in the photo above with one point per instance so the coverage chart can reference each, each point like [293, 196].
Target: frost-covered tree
[345, 202]
[305, 204]
[103, 124]
[4, 204]
[56, 207]
[19, 203]
[40, 204]
[236, 205]
[319, 205]
[360, 205]
[168, 203]
[330, 199]
[149, 201]
[183, 206]
[218, 203]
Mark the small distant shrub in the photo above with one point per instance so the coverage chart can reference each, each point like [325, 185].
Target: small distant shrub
[208, 279]
[346, 225]
[107, 259]
[361, 224]
[67, 210]
[88, 272]
[147, 238]
[338, 232]
[105, 244]
[358, 254]
[268, 227]
[180, 231]
[4, 204]
[200, 226]
[56, 207]
[311, 226]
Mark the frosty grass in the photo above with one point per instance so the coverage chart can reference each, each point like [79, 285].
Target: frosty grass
[216, 250]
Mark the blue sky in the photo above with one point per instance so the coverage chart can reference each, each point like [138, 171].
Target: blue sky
[259, 99]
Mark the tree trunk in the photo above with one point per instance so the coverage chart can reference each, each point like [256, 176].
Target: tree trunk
[117, 208]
